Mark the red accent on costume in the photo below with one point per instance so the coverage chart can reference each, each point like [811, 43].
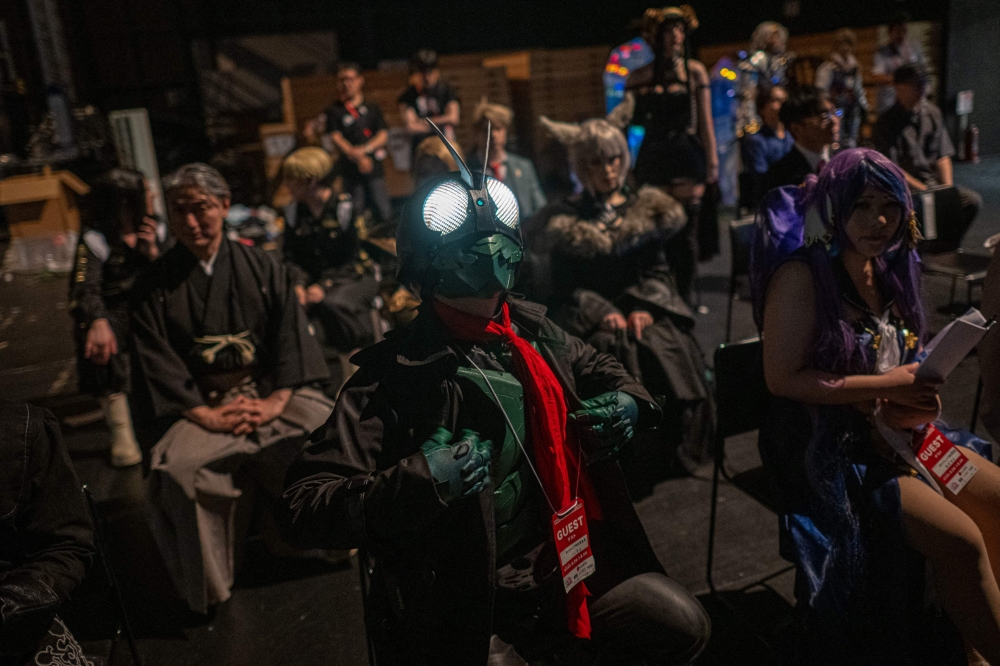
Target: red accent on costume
[546, 419]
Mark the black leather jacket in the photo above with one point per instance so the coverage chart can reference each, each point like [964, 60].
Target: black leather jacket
[365, 482]
[46, 537]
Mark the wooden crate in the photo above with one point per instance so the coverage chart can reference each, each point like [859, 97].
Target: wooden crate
[44, 204]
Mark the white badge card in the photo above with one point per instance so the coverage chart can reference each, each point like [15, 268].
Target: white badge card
[572, 538]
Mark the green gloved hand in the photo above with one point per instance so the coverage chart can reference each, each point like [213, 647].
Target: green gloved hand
[607, 424]
[461, 468]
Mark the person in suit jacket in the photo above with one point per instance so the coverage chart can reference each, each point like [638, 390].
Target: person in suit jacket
[811, 118]
[514, 171]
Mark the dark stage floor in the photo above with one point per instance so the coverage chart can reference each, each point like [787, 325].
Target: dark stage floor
[306, 613]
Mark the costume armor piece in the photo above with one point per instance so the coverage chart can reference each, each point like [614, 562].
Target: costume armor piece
[468, 238]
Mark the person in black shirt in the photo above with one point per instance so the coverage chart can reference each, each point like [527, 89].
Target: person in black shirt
[119, 241]
[911, 133]
[360, 133]
[428, 97]
[331, 272]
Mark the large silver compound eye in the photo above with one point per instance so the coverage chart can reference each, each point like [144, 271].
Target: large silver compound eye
[507, 211]
[446, 207]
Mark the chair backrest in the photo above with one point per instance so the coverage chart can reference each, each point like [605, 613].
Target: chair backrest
[740, 241]
[740, 391]
[936, 207]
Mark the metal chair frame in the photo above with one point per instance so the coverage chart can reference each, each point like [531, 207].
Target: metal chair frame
[739, 263]
[740, 402]
[123, 625]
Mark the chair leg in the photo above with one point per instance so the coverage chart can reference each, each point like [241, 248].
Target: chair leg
[363, 573]
[719, 456]
[124, 626]
[951, 298]
[729, 309]
[968, 294]
[975, 407]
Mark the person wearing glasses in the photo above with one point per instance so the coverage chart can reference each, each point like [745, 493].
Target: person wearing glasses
[813, 122]
[359, 131]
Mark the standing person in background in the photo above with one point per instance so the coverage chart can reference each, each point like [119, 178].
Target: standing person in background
[766, 65]
[810, 117]
[912, 134]
[840, 77]
[890, 57]
[332, 274]
[674, 105]
[428, 98]
[514, 171]
[761, 149]
[120, 241]
[360, 133]
[226, 365]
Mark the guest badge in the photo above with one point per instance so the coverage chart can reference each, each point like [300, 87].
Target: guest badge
[944, 460]
[576, 559]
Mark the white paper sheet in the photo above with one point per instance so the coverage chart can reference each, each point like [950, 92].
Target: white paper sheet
[952, 344]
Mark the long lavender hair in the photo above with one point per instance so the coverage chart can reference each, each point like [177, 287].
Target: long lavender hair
[782, 234]
[831, 197]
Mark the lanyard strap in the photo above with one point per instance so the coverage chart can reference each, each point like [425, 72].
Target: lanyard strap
[513, 430]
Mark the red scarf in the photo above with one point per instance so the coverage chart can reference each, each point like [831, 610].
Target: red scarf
[546, 421]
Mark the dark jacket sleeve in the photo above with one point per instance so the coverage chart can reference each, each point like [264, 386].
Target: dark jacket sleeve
[169, 383]
[85, 300]
[336, 495]
[53, 532]
[298, 357]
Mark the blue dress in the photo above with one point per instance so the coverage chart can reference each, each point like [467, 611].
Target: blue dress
[840, 521]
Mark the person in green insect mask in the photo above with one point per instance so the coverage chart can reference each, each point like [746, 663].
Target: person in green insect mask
[458, 440]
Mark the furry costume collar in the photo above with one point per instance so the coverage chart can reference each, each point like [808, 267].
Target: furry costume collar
[651, 210]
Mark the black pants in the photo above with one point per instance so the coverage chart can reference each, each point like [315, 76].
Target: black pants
[367, 191]
[647, 619]
[345, 313]
[951, 232]
[682, 251]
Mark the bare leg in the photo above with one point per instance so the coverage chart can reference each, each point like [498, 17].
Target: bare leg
[950, 539]
[980, 500]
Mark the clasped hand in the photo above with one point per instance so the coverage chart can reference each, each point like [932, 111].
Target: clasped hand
[240, 416]
[460, 468]
[636, 321]
[607, 423]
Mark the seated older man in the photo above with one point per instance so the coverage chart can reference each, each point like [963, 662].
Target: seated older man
[226, 360]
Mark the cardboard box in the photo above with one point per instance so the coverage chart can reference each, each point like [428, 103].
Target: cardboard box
[42, 204]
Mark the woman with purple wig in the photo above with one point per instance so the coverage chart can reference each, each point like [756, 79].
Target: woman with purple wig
[836, 291]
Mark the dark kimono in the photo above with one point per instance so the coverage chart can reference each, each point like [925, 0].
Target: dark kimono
[436, 596]
[327, 251]
[102, 289]
[46, 538]
[604, 260]
[204, 340]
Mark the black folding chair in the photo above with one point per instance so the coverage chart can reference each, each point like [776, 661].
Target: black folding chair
[365, 572]
[740, 241]
[122, 625]
[741, 398]
[969, 267]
